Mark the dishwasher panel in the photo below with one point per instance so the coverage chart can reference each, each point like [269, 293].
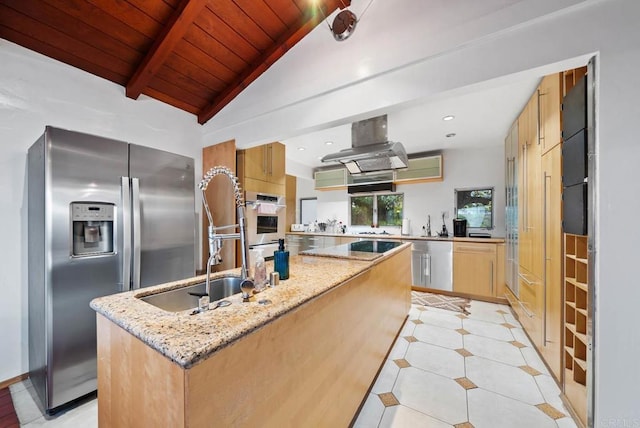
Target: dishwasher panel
[432, 264]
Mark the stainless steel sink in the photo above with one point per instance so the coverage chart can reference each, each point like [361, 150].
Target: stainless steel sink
[184, 298]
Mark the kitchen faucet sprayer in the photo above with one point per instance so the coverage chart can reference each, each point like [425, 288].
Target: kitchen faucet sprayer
[215, 239]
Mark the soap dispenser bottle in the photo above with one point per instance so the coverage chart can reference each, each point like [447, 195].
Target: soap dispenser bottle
[260, 272]
[281, 260]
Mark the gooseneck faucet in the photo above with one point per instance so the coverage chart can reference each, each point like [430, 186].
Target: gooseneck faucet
[215, 239]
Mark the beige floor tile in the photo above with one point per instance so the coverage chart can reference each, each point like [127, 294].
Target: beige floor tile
[432, 395]
[436, 359]
[386, 378]
[371, 413]
[404, 417]
[487, 329]
[493, 349]
[491, 410]
[503, 379]
[438, 336]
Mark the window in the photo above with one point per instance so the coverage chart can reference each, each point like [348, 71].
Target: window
[383, 209]
[475, 205]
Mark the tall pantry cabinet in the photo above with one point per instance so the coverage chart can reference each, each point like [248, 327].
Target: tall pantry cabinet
[551, 308]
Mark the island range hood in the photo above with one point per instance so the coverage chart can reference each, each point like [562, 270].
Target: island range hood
[370, 149]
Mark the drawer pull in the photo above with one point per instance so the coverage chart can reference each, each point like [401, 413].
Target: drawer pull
[524, 278]
[529, 314]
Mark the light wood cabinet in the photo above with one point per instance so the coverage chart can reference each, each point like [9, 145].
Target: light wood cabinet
[550, 100]
[552, 209]
[476, 269]
[530, 190]
[262, 168]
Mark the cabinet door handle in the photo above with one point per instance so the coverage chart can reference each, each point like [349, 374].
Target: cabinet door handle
[492, 292]
[524, 187]
[540, 136]
[545, 258]
[524, 278]
[529, 314]
[427, 266]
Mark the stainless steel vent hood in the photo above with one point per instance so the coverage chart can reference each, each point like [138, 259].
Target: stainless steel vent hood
[370, 149]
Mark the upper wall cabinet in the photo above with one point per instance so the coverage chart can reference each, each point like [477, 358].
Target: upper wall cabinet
[420, 170]
[262, 168]
[550, 99]
[331, 179]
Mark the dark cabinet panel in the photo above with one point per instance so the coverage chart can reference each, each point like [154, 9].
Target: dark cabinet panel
[574, 109]
[574, 208]
[574, 159]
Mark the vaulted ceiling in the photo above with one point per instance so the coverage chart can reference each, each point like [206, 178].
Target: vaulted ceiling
[196, 55]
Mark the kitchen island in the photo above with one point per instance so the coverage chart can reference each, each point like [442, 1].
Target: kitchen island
[307, 358]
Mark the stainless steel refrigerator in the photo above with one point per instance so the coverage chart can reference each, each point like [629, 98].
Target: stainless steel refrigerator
[104, 216]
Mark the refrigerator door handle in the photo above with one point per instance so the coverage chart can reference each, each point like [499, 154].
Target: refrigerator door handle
[135, 211]
[125, 195]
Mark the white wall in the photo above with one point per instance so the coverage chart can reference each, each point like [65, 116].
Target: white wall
[462, 168]
[36, 91]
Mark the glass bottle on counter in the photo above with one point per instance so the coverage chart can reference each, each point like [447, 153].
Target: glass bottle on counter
[260, 272]
[281, 260]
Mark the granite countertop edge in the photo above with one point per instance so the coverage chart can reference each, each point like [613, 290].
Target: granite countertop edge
[189, 339]
[493, 239]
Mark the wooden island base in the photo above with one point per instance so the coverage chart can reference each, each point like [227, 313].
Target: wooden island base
[312, 366]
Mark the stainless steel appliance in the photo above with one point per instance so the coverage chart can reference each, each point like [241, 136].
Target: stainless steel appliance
[266, 217]
[432, 264]
[104, 216]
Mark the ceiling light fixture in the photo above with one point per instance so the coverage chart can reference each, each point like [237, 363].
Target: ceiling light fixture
[344, 24]
[448, 117]
[301, 149]
[453, 134]
[328, 143]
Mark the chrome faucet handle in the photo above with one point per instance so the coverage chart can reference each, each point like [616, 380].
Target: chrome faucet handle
[247, 286]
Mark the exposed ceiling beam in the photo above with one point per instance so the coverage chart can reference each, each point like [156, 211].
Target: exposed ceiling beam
[173, 32]
[269, 56]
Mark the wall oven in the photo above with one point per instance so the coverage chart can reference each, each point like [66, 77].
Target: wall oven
[266, 217]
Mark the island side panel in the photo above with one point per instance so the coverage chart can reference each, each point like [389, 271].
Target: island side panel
[138, 387]
[314, 365]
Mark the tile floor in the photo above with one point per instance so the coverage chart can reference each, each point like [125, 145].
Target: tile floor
[451, 370]
[445, 370]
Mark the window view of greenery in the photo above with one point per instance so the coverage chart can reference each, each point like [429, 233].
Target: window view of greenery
[475, 205]
[388, 208]
[361, 210]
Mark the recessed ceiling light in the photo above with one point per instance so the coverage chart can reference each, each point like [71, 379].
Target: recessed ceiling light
[328, 143]
[450, 135]
[448, 117]
[301, 148]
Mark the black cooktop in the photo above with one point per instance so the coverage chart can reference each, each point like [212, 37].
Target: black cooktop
[373, 246]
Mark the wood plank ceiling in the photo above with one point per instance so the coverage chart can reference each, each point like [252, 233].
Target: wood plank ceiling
[196, 55]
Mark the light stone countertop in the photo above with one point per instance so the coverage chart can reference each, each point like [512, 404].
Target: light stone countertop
[188, 339]
[493, 239]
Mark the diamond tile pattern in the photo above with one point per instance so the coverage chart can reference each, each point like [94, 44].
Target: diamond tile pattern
[388, 399]
[466, 371]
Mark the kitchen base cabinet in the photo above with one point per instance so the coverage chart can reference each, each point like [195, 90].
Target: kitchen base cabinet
[478, 269]
[285, 373]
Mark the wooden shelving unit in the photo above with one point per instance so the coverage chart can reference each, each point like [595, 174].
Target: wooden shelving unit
[575, 322]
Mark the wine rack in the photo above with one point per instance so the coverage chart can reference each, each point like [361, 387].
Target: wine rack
[576, 316]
